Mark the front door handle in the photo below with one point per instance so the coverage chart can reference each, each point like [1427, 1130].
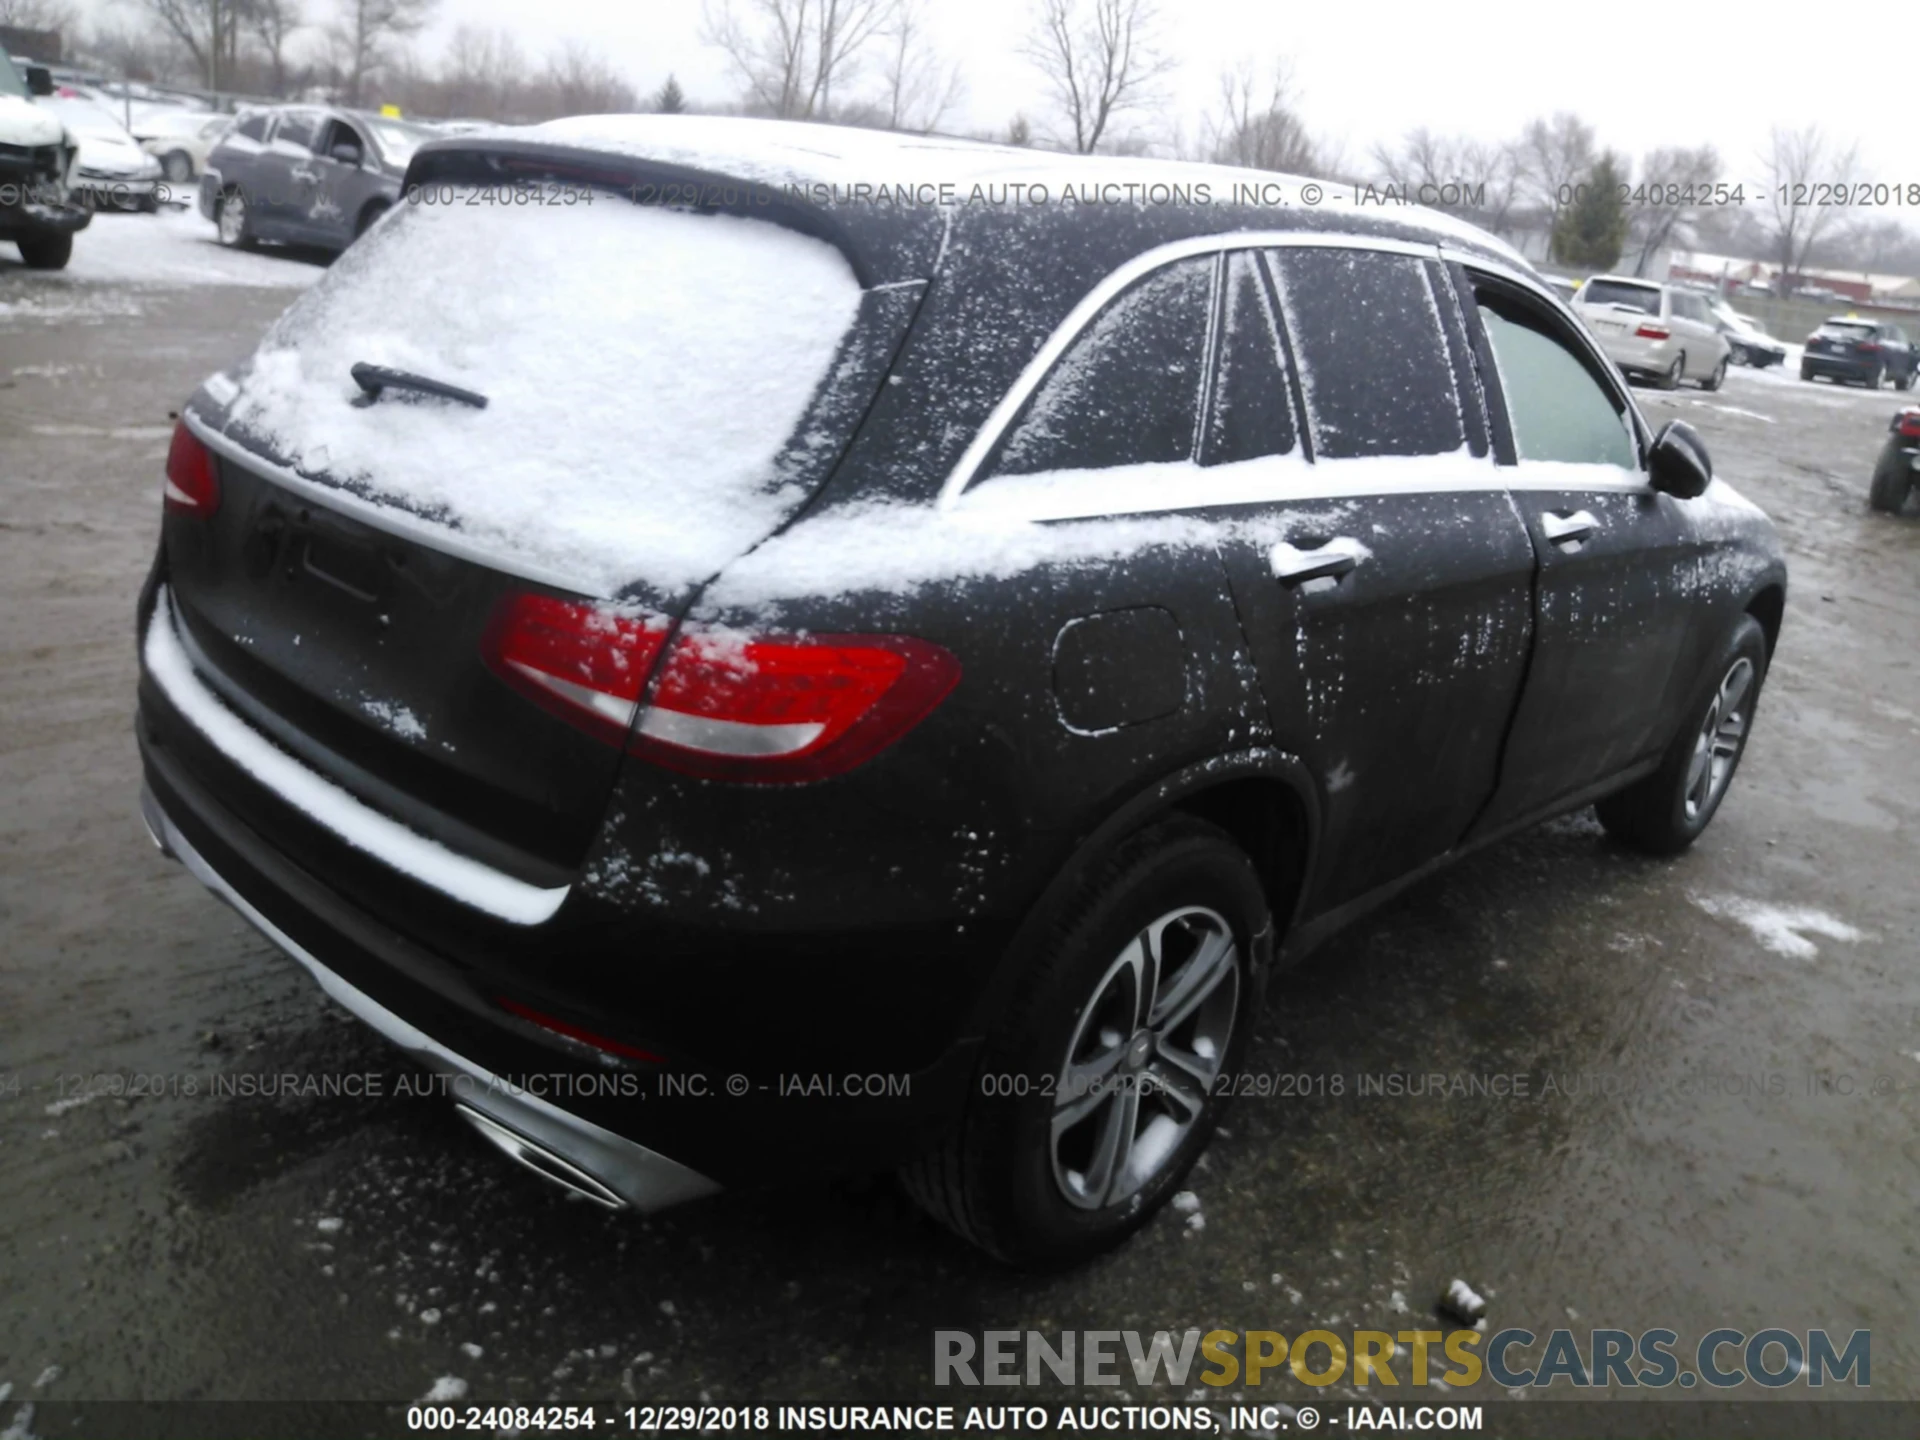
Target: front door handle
[1292, 566]
[1568, 529]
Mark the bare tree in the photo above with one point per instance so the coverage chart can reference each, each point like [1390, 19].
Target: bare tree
[1803, 168]
[55, 15]
[1259, 127]
[919, 89]
[1019, 132]
[364, 37]
[272, 23]
[580, 82]
[1474, 178]
[791, 54]
[1553, 155]
[483, 74]
[1100, 58]
[1667, 205]
[208, 30]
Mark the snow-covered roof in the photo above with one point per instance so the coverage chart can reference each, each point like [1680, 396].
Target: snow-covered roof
[824, 164]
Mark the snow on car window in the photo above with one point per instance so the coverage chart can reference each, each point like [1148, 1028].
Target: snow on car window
[1250, 416]
[1125, 391]
[643, 369]
[1373, 360]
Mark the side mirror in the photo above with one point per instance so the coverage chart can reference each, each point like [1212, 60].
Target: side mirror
[346, 154]
[1679, 464]
[39, 80]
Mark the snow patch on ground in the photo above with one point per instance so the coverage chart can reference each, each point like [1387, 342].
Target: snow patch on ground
[171, 249]
[1779, 927]
[447, 1387]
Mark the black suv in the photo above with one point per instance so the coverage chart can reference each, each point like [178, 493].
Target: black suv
[888, 671]
[1860, 352]
[306, 175]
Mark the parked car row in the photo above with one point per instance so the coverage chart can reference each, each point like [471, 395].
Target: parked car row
[1653, 331]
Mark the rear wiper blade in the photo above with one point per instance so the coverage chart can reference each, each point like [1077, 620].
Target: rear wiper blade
[375, 378]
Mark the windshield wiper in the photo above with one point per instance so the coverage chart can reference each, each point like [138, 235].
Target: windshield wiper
[375, 378]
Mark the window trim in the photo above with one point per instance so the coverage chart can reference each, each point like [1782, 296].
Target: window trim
[1302, 449]
[973, 458]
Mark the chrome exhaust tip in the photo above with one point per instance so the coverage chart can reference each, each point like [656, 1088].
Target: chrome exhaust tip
[540, 1160]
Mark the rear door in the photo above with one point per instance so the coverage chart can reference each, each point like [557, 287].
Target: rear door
[1384, 584]
[1613, 553]
[285, 174]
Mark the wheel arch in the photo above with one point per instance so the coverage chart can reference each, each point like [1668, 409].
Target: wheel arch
[1769, 607]
[1265, 799]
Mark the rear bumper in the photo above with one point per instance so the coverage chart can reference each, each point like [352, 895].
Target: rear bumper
[592, 1161]
[1842, 367]
[1644, 357]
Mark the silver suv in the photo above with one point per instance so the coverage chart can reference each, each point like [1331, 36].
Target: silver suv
[1657, 332]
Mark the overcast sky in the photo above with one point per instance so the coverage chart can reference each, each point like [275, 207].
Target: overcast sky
[1372, 69]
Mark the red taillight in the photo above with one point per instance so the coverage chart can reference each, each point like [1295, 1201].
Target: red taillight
[575, 1032]
[785, 710]
[1867, 347]
[192, 487]
[1653, 332]
[586, 663]
[1907, 423]
[726, 706]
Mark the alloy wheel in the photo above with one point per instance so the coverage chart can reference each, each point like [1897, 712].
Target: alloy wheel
[1717, 746]
[1145, 1054]
[233, 218]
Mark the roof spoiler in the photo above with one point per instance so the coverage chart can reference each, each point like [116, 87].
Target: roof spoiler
[465, 160]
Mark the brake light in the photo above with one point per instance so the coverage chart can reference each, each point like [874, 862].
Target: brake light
[1867, 347]
[575, 1032]
[787, 710]
[586, 663]
[726, 706]
[192, 488]
[1653, 332]
[1907, 423]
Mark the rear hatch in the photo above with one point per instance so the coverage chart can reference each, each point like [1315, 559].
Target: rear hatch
[664, 389]
[1845, 341]
[1618, 308]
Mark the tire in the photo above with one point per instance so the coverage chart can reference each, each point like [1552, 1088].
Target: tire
[235, 221]
[1026, 1176]
[1717, 378]
[1892, 481]
[177, 165]
[1666, 812]
[1905, 382]
[46, 252]
[149, 204]
[1806, 371]
[1676, 372]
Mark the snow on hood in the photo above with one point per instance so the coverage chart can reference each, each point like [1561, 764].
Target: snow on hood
[644, 370]
[24, 123]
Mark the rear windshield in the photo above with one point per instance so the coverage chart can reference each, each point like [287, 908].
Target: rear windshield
[644, 368]
[1842, 330]
[1644, 298]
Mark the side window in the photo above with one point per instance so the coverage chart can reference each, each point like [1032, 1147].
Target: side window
[254, 126]
[1558, 409]
[1250, 415]
[296, 128]
[1373, 359]
[1126, 391]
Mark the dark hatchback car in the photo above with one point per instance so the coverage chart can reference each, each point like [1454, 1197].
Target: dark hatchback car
[890, 677]
[306, 175]
[1860, 352]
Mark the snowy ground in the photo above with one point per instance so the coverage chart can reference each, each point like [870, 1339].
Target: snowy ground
[1733, 1036]
[119, 255]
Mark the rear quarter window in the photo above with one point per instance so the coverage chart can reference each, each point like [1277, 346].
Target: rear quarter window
[1372, 355]
[1126, 390]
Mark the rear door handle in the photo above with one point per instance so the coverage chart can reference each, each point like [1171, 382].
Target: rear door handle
[1568, 529]
[1292, 566]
